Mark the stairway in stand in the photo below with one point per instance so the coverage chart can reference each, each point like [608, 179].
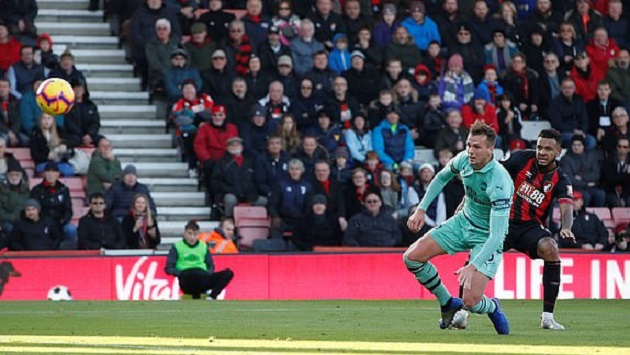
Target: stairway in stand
[127, 118]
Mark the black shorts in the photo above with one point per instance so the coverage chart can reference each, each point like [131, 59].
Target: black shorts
[524, 237]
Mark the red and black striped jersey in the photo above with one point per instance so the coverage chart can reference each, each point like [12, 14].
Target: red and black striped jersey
[535, 191]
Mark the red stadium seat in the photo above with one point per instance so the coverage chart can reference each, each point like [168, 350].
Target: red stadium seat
[556, 215]
[621, 215]
[20, 153]
[252, 223]
[603, 213]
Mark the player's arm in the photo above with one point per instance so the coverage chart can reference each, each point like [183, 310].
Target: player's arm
[565, 202]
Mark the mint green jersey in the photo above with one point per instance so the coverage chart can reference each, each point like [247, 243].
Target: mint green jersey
[487, 202]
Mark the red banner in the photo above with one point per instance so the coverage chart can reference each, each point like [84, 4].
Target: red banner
[304, 276]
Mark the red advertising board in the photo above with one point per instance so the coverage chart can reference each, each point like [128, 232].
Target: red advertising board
[305, 276]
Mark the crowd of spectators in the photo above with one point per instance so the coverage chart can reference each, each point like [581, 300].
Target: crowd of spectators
[314, 108]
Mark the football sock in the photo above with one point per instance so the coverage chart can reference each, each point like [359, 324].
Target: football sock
[427, 276]
[485, 306]
[551, 284]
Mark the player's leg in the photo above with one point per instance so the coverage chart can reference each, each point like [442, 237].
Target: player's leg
[547, 249]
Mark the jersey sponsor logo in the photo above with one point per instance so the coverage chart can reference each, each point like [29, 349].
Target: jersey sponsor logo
[530, 194]
[501, 204]
[547, 186]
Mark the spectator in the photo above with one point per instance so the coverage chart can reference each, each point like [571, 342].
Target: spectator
[239, 47]
[327, 133]
[434, 120]
[567, 46]
[393, 73]
[421, 27]
[584, 170]
[139, 224]
[104, 170]
[30, 112]
[483, 25]
[328, 186]
[456, 86]
[470, 50]
[217, 80]
[317, 227]
[217, 21]
[589, 231]
[211, 143]
[450, 17]
[363, 82]
[509, 21]
[200, 47]
[13, 195]
[599, 111]
[286, 75]
[618, 129]
[34, 231]
[341, 105]
[83, 121]
[522, 83]
[20, 17]
[272, 49]
[358, 138]
[22, 74]
[601, 49]
[9, 48]
[288, 201]
[10, 122]
[405, 179]
[392, 140]
[305, 46]
[436, 213]
[385, 27]
[616, 175]
[535, 47]
[453, 136]
[622, 239]
[584, 18]
[373, 54]
[56, 203]
[567, 114]
[160, 52]
[98, 230]
[271, 166]
[373, 167]
[237, 99]
[66, 69]
[390, 191]
[287, 130]
[549, 82]
[255, 134]
[490, 86]
[379, 108]
[257, 80]
[309, 153]
[6, 159]
[306, 104]
[286, 23]
[510, 121]
[586, 77]
[545, 17]
[44, 53]
[355, 195]
[481, 110]
[47, 143]
[374, 227]
[339, 60]
[403, 48]
[221, 240]
[256, 22]
[434, 61]
[177, 73]
[619, 77]
[121, 194]
[342, 166]
[191, 262]
[616, 23]
[188, 112]
[352, 20]
[500, 51]
[275, 103]
[326, 23]
[423, 83]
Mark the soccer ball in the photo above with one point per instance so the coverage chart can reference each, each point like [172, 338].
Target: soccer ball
[59, 293]
[460, 319]
[55, 96]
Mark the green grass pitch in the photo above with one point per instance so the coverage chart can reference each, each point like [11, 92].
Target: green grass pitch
[303, 327]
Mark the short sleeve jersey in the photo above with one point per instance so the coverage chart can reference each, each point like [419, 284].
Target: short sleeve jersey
[534, 191]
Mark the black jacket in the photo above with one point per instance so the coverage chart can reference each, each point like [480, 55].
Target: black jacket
[565, 115]
[229, 177]
[133, 239]
[269, 58]
[56, 202]
[588, 229]
[365, 230]
[96, 233]
[218, 84]
[39, 145]
[83, 119]
[30, 235]
[270, 171]
[364, 85]
[317, 230]
[217, 24]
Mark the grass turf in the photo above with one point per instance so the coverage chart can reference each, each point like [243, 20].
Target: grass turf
[589, 322]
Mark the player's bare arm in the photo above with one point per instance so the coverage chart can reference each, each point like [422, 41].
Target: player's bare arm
[566, 220]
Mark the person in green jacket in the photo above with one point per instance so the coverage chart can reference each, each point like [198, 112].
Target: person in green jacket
[191, 262]
[104, 168]
[13, 195]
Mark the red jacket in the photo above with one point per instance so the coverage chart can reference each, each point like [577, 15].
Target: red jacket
[489, 116]
[9, 53]
[211, 142]
[601, 55]
[587, 88]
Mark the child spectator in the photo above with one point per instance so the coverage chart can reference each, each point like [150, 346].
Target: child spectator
[339, 59]
[490, 86]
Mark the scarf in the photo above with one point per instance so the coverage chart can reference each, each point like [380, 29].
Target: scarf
[524, 88]
[492, 90]
[142, 233]
[254, 18]
[52, 188]
[326, 186]
[361, 195]
[243, 53]
[239, 160]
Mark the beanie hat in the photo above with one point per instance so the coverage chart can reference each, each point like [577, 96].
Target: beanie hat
[479, 94]
[456, 59]
[318, 199]
[14, 165]
[31, 202]
[130, 169]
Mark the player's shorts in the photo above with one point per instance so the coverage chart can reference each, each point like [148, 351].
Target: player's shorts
[524, 237]
[458, 234]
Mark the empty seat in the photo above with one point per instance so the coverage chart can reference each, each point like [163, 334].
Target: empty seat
[603, 213]
[531, 129]
[422, 156]
[20, 153]
[621, 215]
[252, 223]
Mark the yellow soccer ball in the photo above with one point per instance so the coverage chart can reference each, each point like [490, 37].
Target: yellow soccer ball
[55, 96]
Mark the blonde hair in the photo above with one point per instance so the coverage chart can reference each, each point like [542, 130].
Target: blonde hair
[290, 140]
[52, 135]
[148, 213]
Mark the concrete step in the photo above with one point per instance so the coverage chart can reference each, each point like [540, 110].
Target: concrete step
[91, 70]
[86, 42]
[153, 155]
[62, 4]
[113, 84]
[148, 141]
[196, 199]
[73, 28]
[131, 126]
[56, 15]
[125, 112]
[170, 184]
[95, 55]
[120, 97]
[161, 170]
[172, 231]
[182, 214]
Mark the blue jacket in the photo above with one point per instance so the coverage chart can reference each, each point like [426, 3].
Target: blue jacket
[269, 171]
[255, 138]
[22, 78]
[118, 198]
[358, 146]
[174, 78]
[289, 199]
[328, 139]
[392, 146]
[422, 34]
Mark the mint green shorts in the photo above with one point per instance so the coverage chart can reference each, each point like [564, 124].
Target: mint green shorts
[457, 234]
